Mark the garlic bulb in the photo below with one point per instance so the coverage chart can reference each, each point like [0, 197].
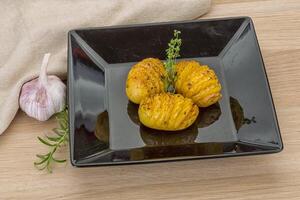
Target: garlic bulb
[44, 96]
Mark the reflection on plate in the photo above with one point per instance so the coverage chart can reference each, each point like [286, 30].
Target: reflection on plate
[208, 116]
[102, 128]
[153, 137]
[132, 110]
[238, 114]
[180, 150]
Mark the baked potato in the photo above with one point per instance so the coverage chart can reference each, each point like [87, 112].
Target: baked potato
[166, 111]
[144, 79]
[197, 82]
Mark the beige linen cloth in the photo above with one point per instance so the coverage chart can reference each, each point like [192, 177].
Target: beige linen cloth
[31, 28]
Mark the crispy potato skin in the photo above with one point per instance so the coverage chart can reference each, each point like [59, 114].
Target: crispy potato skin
[197, 82]
[145, 79]
[169, 112]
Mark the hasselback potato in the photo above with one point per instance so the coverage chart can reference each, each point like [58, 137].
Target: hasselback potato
[166, 111]
[144, 79]
[197, 82]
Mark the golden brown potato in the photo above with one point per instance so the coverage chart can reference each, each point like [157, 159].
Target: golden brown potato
[144, 79]
[197, 82]
[169, 112]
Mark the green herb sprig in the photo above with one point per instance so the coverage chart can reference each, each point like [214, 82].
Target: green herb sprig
[172, 53]
[59, 139]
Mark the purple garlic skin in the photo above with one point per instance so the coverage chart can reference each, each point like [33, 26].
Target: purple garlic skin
[44, 96]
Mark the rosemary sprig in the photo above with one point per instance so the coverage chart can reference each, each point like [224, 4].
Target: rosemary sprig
[54, 142]
[172, 53]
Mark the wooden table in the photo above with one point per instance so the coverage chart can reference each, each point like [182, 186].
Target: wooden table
[275, 176]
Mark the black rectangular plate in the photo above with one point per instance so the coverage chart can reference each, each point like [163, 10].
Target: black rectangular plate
[104, 125]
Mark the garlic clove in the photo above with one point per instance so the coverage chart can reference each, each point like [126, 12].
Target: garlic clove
[44, 96]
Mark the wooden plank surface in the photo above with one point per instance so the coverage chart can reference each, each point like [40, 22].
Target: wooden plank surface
[275, 176]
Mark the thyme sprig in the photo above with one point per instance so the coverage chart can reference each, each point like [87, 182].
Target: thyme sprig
[59, 139]
[172, 53]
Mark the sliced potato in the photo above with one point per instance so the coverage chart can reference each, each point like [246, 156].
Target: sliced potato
[165, 111]
[197, 82]
[144, 79]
